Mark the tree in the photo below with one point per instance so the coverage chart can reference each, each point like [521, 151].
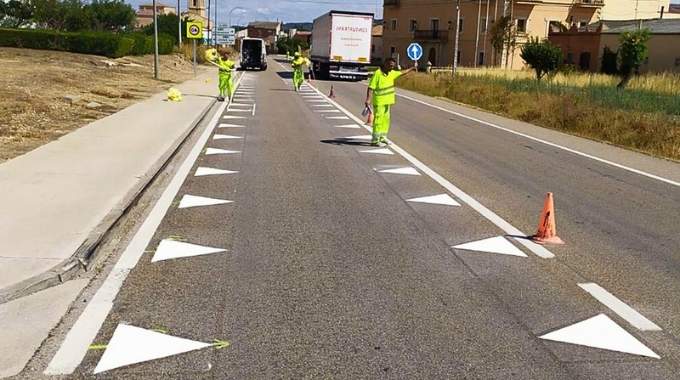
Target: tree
[111, 15]
[290, 45]
[15, 13]
[633, 52]
[542, 56]
[167, 24]
[503, 35]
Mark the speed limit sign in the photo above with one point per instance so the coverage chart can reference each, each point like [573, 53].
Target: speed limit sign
[194, 29]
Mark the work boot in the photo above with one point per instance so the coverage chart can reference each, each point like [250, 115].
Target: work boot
[220, 98]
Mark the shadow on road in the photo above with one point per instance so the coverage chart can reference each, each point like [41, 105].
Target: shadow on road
[344, 141]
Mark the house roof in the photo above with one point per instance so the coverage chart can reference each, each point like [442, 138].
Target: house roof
[264, 24]
[655, 26]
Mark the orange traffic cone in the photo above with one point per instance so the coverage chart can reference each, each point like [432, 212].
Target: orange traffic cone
[547, 230]
[332, 94]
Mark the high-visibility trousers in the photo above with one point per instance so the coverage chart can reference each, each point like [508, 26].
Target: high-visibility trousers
[225, 85]
[381, 122]
[298, 78]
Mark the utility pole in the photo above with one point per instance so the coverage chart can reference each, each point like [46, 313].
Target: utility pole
[155, 42]
[215, 29]
[455, 48]
[209, 23]
[479, 21]
[486, 32]
[179, 28]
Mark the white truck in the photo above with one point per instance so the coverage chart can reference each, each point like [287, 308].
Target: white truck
[341, 45]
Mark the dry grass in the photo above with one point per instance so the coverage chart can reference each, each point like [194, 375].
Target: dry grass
[643, 120]
[33, 84]
[663, 83]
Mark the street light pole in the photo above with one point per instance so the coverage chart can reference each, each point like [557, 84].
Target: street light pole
[455, 52]
[155, 42]
[179, 17]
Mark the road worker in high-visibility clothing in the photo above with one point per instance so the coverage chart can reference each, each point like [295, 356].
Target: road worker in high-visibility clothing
[226, 67]
[381, 94]
[298, 74]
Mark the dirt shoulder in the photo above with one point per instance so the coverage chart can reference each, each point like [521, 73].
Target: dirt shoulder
[45, 94]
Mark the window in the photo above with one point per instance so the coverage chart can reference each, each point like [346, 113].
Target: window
[194, 3]
[482, 25]
[582, 23]
[458, 59]
[393, 51]
[413, 25]
[372, 48]
[555, 27]
[393, 24]
[522, 25]
[460, 25]
[434, 24]
[480, 59]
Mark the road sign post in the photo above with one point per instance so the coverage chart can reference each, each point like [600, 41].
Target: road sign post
[194, 32]
[415, 52]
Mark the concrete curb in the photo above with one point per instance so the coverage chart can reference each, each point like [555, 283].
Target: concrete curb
[85, 258]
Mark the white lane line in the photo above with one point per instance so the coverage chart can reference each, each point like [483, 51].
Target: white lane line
[501, 223]
[574, 151]
[254, 107]
[619, 307]
[78, 339]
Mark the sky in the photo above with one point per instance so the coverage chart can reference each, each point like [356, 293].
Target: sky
[283, 10]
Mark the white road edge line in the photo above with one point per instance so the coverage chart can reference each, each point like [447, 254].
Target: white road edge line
[74, 347]
[492, 125]
[501, 223]
[619, 307]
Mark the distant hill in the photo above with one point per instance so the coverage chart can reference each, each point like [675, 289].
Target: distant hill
[298, 26]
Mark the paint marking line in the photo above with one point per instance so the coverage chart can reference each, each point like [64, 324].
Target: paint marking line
[536, 139]
[619, 307]
[494, 218]
[75, 345]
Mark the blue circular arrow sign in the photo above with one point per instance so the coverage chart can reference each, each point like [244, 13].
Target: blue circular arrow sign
[414, 51]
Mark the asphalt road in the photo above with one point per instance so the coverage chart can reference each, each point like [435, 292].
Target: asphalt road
[330, 273]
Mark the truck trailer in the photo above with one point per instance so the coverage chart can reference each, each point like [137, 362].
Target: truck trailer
[341, 45]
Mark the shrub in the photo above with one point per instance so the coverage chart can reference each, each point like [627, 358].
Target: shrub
[542, 56]
[632, 52]
[98, 43]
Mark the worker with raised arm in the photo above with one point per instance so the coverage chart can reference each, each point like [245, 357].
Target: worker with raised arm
[381, 93]
[298, 74]
[226, 67]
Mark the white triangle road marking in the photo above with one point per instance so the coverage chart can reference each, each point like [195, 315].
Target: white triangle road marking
[358, 137]
[322, 105]
[226, 137]
[601, 332]
[239, 110]
[316, 101]
[384, 151]
[171, 249]
[230, 126]
[441, 199]
[350, 126]
[195, 201]
[327, 111]
[131, 345]
[405, 170]
[498, 244]
[233, 117]
[337, 118]
[202, 171]
[212, 151]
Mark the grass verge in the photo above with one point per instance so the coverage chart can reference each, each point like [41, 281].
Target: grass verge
[642, 118]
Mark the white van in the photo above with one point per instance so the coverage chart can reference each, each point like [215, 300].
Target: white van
[253, 54]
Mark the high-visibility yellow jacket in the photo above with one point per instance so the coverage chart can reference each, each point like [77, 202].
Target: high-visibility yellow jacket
[299, 62]
[382, 85]
[225, 65]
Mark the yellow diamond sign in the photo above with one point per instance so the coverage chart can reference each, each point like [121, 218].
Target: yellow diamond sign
[194, 29]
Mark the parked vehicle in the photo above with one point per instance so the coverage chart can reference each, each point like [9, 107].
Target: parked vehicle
[253, 54]
[341, 45]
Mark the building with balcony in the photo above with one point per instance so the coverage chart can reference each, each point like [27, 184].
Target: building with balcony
[434, 26]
